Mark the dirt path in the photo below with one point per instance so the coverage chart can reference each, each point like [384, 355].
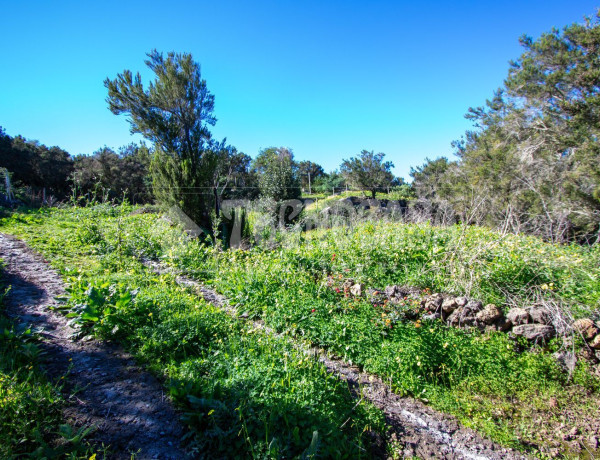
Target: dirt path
[419, 430]
[127, 405]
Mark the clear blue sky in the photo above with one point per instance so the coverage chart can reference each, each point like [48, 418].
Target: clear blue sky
[326, 78]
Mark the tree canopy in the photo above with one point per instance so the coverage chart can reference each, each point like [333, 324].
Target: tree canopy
[35, 165]
[276, 177]
[174, 112]
[115, 176]
[368, 172]
[532, 161]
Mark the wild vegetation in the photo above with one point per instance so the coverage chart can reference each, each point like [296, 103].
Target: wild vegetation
[531, 162]
[239, 388]
[498, 385]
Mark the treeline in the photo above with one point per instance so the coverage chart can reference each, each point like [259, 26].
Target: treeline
[43, 174]
[532, 162]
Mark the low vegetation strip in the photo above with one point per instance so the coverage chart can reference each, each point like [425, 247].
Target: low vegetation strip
[31, 407]
[490, 381]
[124, 406]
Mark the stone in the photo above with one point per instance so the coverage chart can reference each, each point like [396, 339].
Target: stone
[432, 316]
[357, 289]
[433, 302]
[461, 317]
[390, 291]
[586, 328]
[595, 342]
[503, 324]
[534, 332]
[472, 308]
[449, 305]
[540, 314]
[461, 301]
[489, 315]
[517, 316]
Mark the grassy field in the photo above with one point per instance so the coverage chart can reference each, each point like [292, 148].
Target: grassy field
[230, 378]
[240, 389]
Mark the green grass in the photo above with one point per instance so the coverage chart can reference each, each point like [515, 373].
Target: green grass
[241, 390]
[483, 379]
[486, 380]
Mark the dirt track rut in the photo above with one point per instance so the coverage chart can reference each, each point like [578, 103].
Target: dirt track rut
[105, 387]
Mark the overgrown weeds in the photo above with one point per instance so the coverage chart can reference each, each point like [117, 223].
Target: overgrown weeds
[491, 382]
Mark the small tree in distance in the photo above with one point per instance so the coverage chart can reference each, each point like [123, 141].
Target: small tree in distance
[368, 172]
[276, 178]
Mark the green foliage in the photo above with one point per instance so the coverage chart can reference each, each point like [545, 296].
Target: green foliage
[241, 390]
[334, 181]
[309, 172]
[369, 172]
[276, 177]
[31, 422]
[174, 113]
[457, 371]
[114, 176]
[235, 382]
[531, 163]
[35, 165]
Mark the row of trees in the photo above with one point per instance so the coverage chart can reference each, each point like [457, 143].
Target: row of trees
[532, 162]
[126, 173]
[50, 173]
[185, 166]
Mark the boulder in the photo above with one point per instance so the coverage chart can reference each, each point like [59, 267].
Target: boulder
[391, 291]
[473, 307]
[433, 302]
[540, 314]
[461, 301]
[449, 305]
[466, 315]
[586, 328]
[517, 316]
[489, 315]
[431, 316]
[595, 342]
[456, 319]
[534, 332]
[503, 324]
[357, 289]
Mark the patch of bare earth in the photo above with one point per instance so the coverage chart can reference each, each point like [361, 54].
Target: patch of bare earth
[104, 386]
[416, 429]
